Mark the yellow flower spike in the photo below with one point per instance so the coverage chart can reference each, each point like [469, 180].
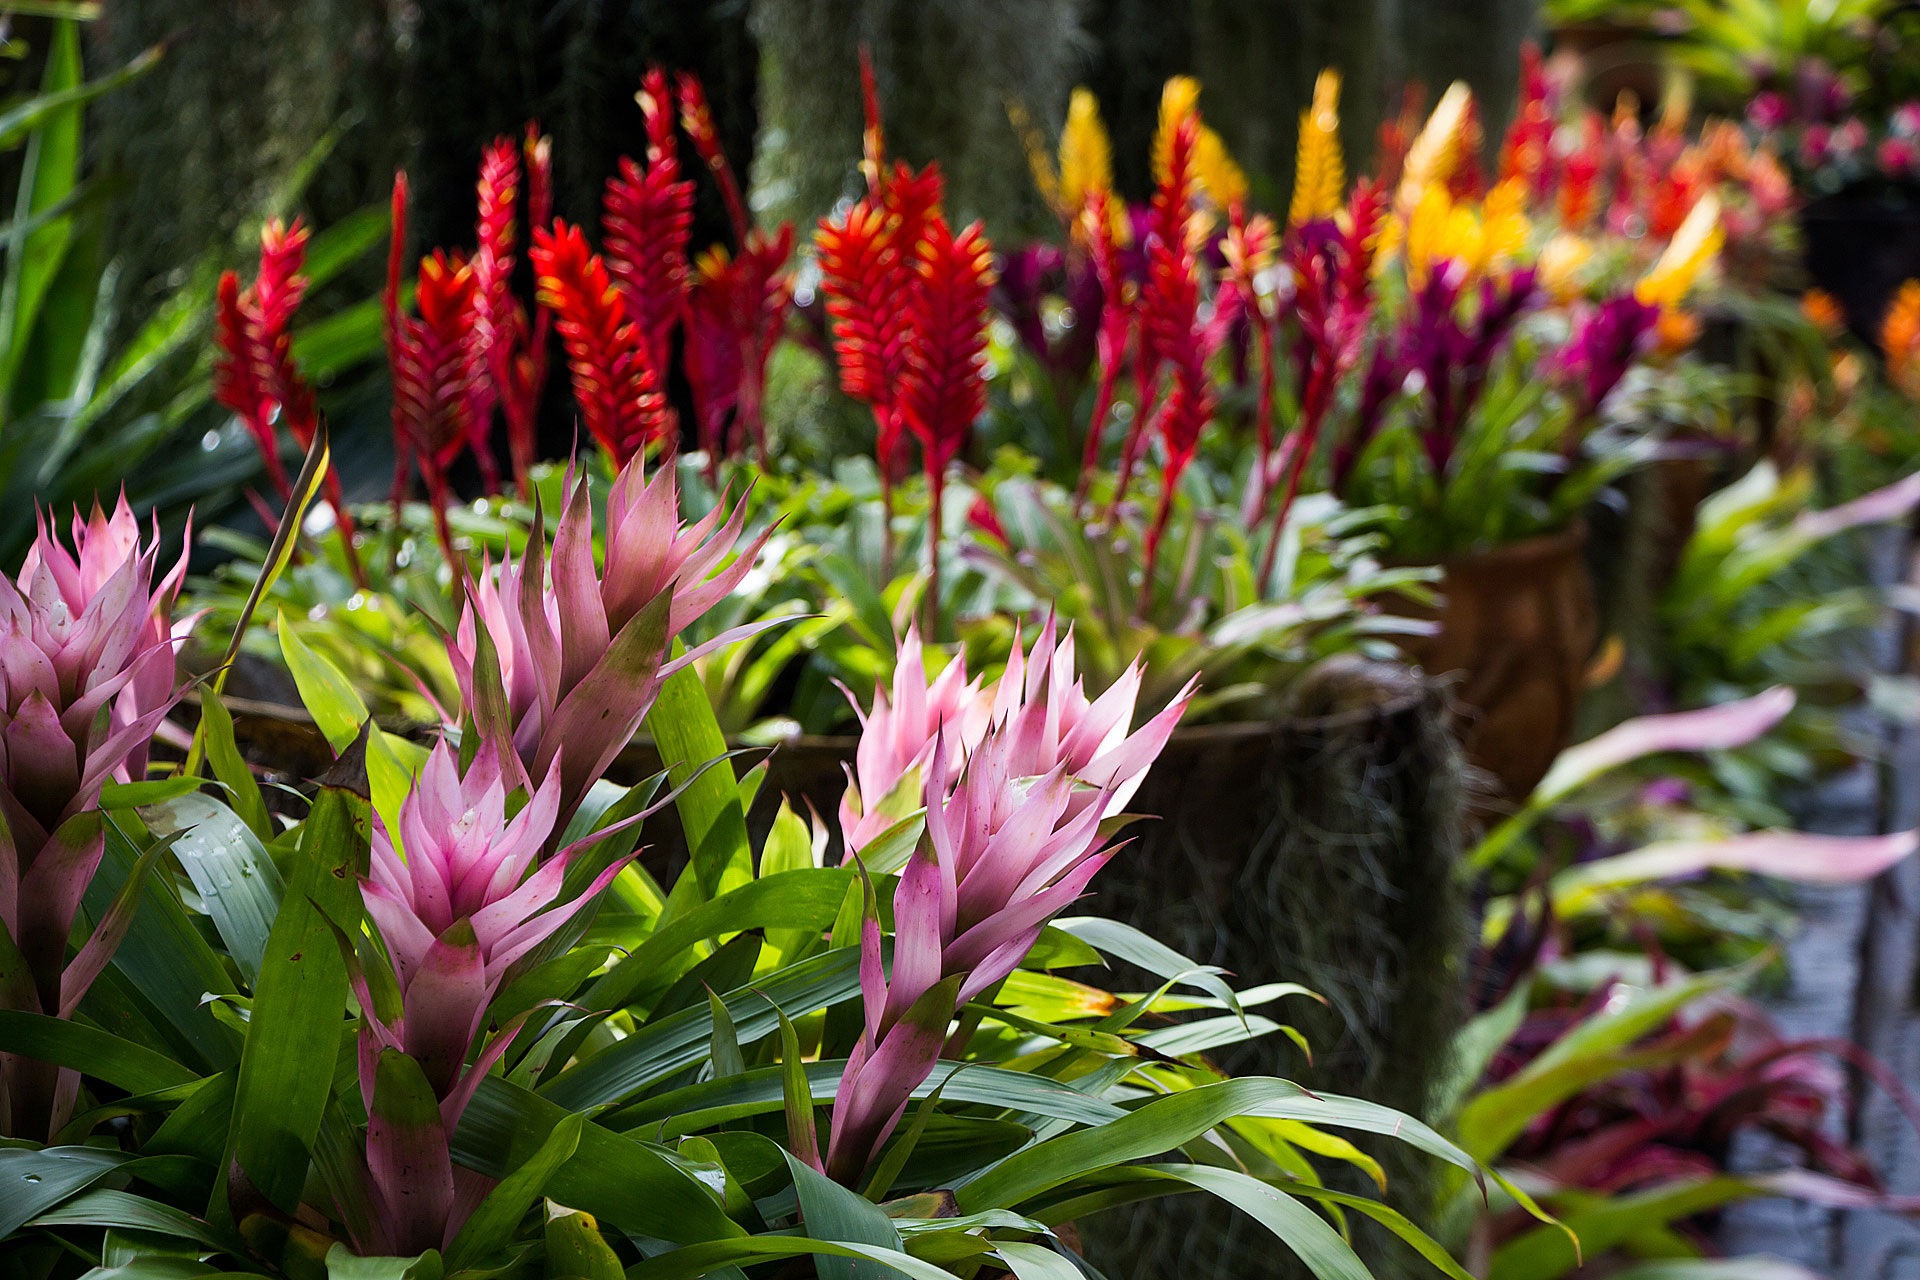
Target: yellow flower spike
[1434, 154]
[1561, 263]
[1039, 163]
[1221, 180]
[1691, 252]
[1428, 232]
[1179, 99]
[1319, 171]
[1086, 153]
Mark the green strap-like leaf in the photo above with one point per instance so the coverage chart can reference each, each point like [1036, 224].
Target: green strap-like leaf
[98, 1054]
[687, 735]
[299, 1003]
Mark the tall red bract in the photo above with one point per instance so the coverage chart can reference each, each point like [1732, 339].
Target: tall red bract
[255, 373]
[614, 380]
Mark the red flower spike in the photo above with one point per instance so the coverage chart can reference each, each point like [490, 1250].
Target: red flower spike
[1174, 228]
[527, 368]
[736, 312]
[873, 141]
[432, 369]
[647, 219]
[868, 273]
[236, 378]
[613, 380]
[697, 119]
[491, 349]
[943, 391]
[255, 374]
[1116, 318]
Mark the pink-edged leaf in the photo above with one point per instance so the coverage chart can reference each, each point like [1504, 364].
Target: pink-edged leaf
[407, 1157]
[54, 883]
[874, 1095]
[1731, 724]
[108, 934]
[1831, 1193]
[43, 762]
[444, 1004]
[1891, 503]
[598, 716]
[916, 935]
[731, 636]
[1790, 855]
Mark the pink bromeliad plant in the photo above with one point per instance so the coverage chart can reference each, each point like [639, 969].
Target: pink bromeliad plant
[1013, 835]
[581, 651]
[459, 895]
[87, 672]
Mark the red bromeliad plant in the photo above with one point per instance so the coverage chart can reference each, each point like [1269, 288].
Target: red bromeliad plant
[255, 374]
[908, 300]
[738, 304]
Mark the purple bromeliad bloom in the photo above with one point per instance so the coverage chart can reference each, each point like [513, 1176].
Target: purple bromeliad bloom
[1605, 344]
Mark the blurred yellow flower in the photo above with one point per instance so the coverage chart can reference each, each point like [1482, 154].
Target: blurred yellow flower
[1692, 251]
[1432, 157]
[1039, 163]
[1220, 180]
[1562, 263]
[1319, 171]
[1086, 155]
[1483, 239]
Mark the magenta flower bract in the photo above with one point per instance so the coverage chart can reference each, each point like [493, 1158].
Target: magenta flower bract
[899, 736]
[1013, 836]
[582, 652]
[459, 898]
[87, 672]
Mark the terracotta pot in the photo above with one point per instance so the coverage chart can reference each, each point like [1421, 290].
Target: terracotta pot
[1516, 629]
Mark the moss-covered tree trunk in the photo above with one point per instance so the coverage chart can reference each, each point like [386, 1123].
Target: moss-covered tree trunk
[946, 70]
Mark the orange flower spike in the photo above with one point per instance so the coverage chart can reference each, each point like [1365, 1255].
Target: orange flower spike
[1900, 339]
[1822, 310]
[873, 143]
[613, 381]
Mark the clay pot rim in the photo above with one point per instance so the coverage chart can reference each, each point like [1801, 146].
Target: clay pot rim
[843, 744]
[1553, 545]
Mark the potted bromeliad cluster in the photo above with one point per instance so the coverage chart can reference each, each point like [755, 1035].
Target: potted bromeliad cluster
[441, 1023]
[426, 1013]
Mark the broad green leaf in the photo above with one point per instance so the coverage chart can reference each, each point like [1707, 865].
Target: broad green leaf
[163, 967]
[118, 1210]
[48, 172]
[223, 754]
[1543, 1254]
[344, 1264]
[684, 730]
[698, 1260]
[575, 1248]
[674, 1043]
[831, 1212]
[238, 883]
[807, 899]
[1135, 947]
[796, 1097]
[39, 1180]
[758, 1092]
[493, 1223]
[631, 1184]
